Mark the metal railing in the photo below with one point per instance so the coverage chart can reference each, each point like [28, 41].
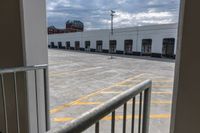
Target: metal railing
[5, 72]
[95, 115]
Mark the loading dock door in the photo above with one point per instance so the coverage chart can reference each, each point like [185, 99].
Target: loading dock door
[146, 46]
[52, 45]
[67, 45]
[59, 44]
[99, 46]
[87, 46]
[113, 46]
[77, 45]
[168, 47]
[128, 45]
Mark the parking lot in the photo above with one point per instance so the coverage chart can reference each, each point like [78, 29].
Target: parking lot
[80, 81]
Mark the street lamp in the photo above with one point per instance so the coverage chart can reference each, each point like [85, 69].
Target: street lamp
[112, 32]
[112, 15]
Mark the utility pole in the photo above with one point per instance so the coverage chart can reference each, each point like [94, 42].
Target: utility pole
[112, 15]
[112, 31]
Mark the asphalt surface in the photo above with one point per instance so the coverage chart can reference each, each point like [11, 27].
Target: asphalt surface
[80, 81]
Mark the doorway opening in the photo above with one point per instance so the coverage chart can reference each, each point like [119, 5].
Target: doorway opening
[128, 45]
[87, 46]
[146, 47]
[60, 45]
[52, 45]
[99, 46]
[112, 46]
[77, 45]
[67, 45]
[168, 47]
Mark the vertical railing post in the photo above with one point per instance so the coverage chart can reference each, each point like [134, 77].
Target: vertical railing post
[146, 110]
[37, 103]
[124, 118]
[97, 127]
[4, 103]
[140, 112]
[113, 122]
[16, 100]
[46, 93]
[133, 116]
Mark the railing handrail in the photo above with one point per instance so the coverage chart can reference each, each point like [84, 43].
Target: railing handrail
[22, 68]
[93, 116]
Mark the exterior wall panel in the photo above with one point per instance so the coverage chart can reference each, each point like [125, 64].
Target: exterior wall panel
[156, 32]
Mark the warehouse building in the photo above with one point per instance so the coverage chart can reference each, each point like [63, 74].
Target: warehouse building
[153, 40]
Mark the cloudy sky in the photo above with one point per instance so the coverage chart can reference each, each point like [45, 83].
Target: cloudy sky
[95, 14]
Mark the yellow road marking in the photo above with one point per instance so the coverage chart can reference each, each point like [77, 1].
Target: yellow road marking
[111, 92]
[118, 92]
[97, 103]
[163, 80]
[161, 86]
[126, 83]
[88, 103]
[63, 119]
[156, 80]
[117, 117]
[61, 107]
[120, 117]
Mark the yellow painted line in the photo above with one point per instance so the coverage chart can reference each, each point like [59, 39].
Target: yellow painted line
[65, 119]
[120, 117]
[156, 80]
[97, 103]
[163, 80]
[117, 117]
[161, 102]
[161, 86]
[126, 83]
[64, 73]
[170, 93]
[61, 107]
[88, 103]
[111, 92]
[118, 92]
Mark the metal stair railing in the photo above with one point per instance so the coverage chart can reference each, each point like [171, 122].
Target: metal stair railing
[88, 119]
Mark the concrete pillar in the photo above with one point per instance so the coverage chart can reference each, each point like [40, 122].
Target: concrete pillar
[23, 39]
[186, 106]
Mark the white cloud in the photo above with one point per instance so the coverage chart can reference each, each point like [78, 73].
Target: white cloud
[121, 1]
[96, 13]
[124, 19]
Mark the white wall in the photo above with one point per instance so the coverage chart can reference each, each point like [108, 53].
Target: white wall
[156, 32]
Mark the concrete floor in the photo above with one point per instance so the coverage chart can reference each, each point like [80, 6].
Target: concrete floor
[81, 81]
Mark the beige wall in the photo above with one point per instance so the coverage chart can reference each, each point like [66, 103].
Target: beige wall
[11, 52]
[11, 55]
[186, 106]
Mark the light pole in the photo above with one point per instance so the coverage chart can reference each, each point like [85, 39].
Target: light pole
[112, 15]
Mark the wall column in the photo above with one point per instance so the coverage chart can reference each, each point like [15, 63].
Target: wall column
[186, 106]
[23, 43]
